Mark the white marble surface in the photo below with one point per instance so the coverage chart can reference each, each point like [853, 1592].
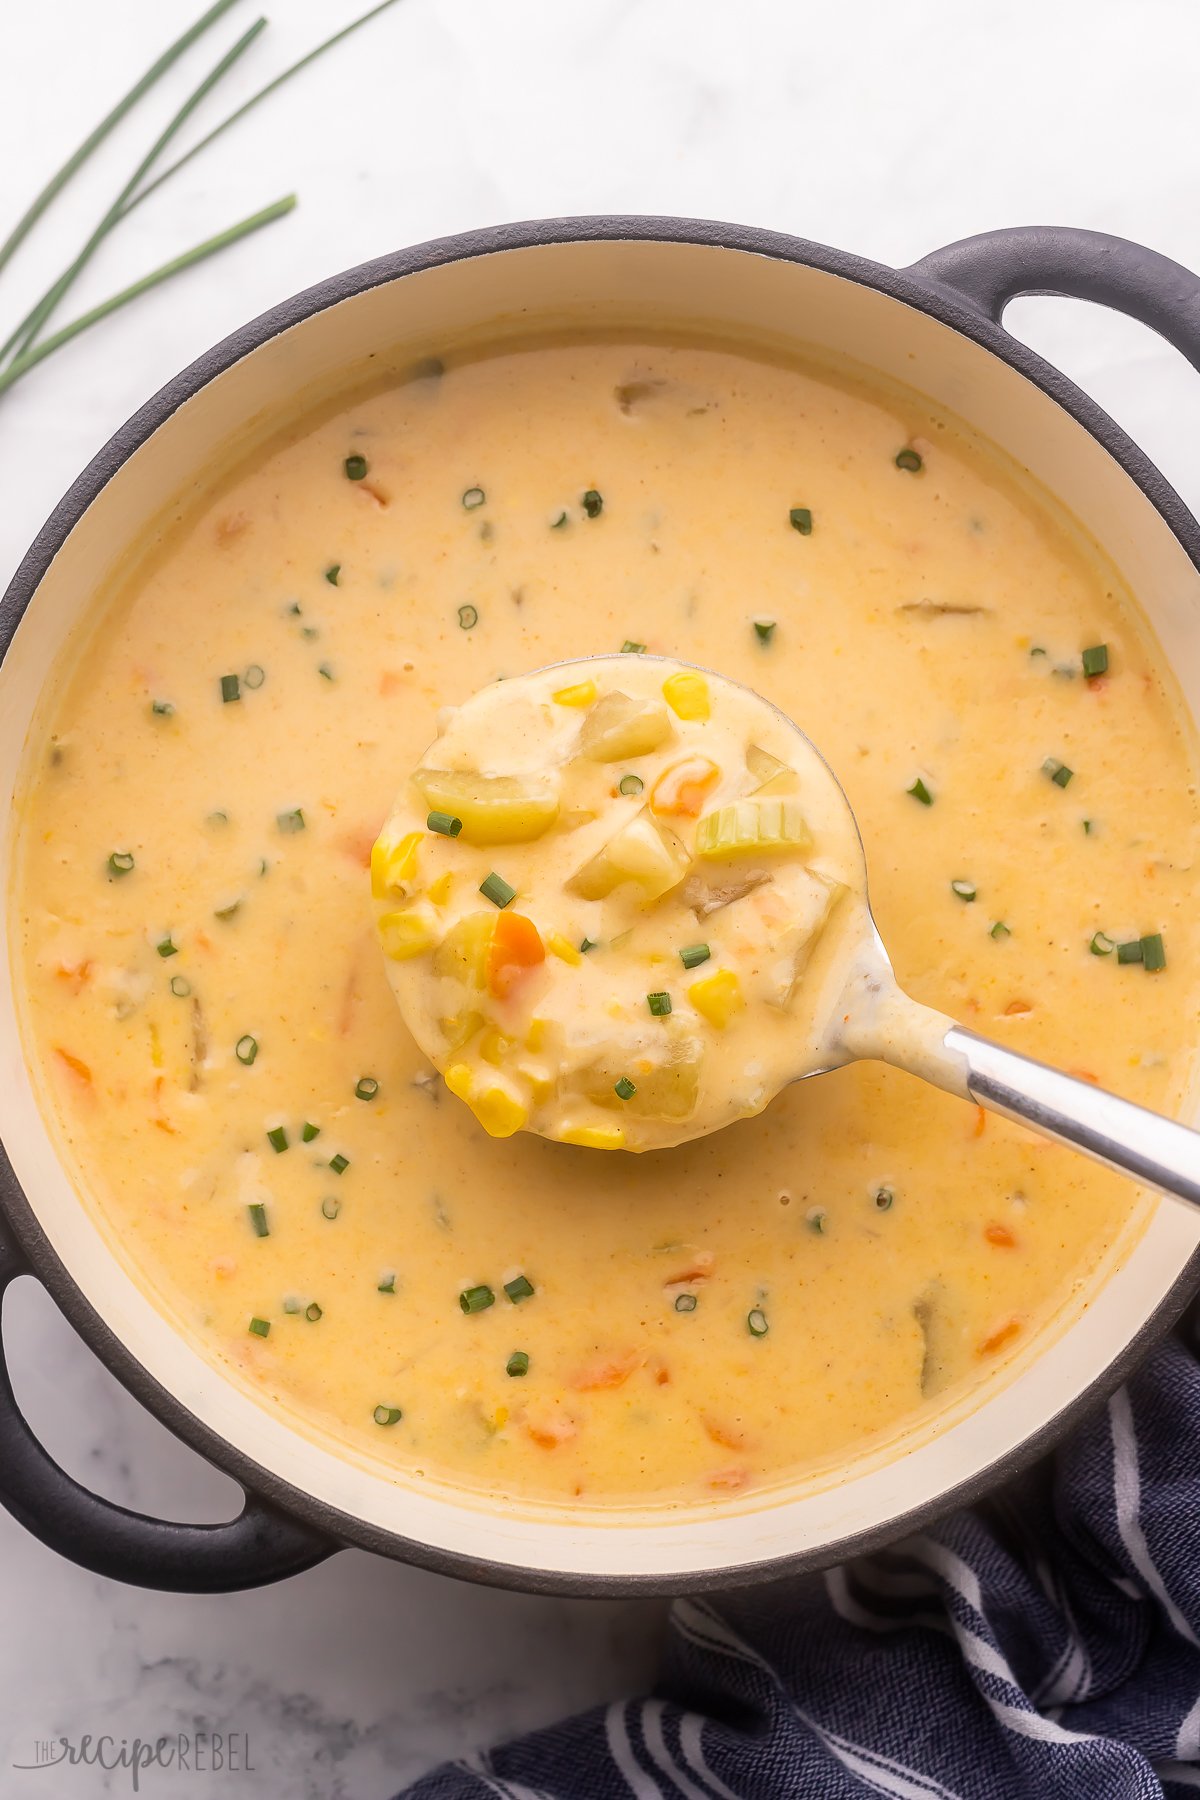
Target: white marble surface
[882, 127]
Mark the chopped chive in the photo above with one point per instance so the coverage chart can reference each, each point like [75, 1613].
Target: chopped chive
[181, 987]
[258, 1219]
[162, 709]
[217, 818]
[519, 1288]
[557, 524]
[685, 1303]
[756, 1322]
[445, 824]
[325, 671]
[629, 648]
[885, 1199]
[120, 862]
[468, 617]
[497, 890]
[1154, 957]
[292, 1305]
[339, 1163]
[231, 688]
[1102, 944]
[387, 1415]
[908, 460]
[366, 1088]
[592, 503]
[254, 676]
[920, 792]
[1095, 660]
[386, 1283]
[659, 1004]
[355, 468]
[473, 497]
[764, 630]
[586, 944]
[290, 822]
[261, 1327]
[332, 573]
[692, 955]
[246, 1049]
[476, 1299]
[1058, 772]
[815, 1220]
[227, 912]
[518, 1363]
[630, 784]
[800, 518]
[310, 1131]
[166, 947]
[277, 1137]
[1088, 827]
[966, 890]
[1131, 952]
[312, 1312]
[624, 1089]
[1038, 650]
[331, 1206]
[1000, 930]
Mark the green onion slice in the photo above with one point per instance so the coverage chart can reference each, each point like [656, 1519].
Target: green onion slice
[181, 987]
[630, 784]
[120, 862]
[497, 890]
[765, 630]
[920, 792]
[1154, 957]
[231, 688]
[593, 503]
[387, 1415]
[312, 1313]
[261, 1327]
[332, 573]
[519, 1288]
[166, 947]
[685, 1303]
[331, 1206]
[800, 518]
[476, 1299]
[355, 468]
[692, 955]
[339, 1163]
[162, 709]
[966, 890]
[246, 1049]
[756, 1322]
[1131, 952]
[815, 1220]
[1058, 772]
[473, 497]
[659, 1004]
[254, 676]
[445, 824]
[277, 1137]
[518, 1363]
[586, 944]
[258, 1219]
[290, 822]
[1095, 660]
[629, 648]
[310, 1131]
[1102, 944]
[1000, 930]
[387, 1282]
[885, 1199]
[468, 617]
[909, 460]
[366, 1088]
[624, 1089]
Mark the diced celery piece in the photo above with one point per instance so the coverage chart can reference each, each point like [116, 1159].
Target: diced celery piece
[770, 775]
[619, 727]
[750, 827]
[463, 952]
[494, 809]
[644, 851]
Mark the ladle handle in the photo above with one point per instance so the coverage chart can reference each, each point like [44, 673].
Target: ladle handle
[1129, 1138]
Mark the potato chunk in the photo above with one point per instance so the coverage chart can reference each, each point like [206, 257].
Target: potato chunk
[494, 809]
[666, 1081]
[618, 728]
[644, 851]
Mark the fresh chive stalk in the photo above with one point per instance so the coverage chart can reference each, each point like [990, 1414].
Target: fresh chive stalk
[277, 1137]
[1095, 660]
[468, 617]
[518, 1363]
[246, 1049]
[624, 1089]
[497, 890]
[261, 1327]
[692, 955]
[258, 1219]
[756, 1322]
[920, 792]
[659, 1004]
[366, 1087]
[445, 824]
[519, 1288]
[476, 1299]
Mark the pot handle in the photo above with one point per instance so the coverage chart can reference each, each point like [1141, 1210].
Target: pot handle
[259, 1546]
[998, 266]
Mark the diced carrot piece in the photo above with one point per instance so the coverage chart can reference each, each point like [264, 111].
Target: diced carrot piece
[1085, 1075]
[681, 789]
[996, 1340]
[550, 1429]
[980, 1125]
[1000, 1235]
[698, 1267]
[75, 1064]
[1015, 1008]
[729, 1480]
[76, 975]
[722, 1432]
[607, 1372]
[516, 947]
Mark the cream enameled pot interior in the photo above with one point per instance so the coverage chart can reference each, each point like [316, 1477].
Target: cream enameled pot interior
[649, 285]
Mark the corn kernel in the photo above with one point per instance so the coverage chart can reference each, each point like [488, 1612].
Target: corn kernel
[717, 997]
[494, 1047]
[582, 694]
[393, 864]
[564, 948]
[535, 1037]
[405, 934]
[458, 1080]
[498, 1112]
[439, 890]
[459, 1028]
[595, 1137]
[541, 1086]
[687, 695]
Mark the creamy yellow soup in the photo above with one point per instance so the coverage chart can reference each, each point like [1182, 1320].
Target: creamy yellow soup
[207, 1006]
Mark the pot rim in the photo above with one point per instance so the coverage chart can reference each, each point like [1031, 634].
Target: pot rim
[911, 287]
